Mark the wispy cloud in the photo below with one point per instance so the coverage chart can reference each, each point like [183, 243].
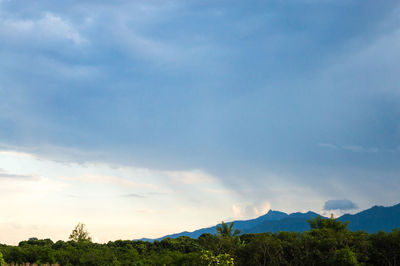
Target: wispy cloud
[328, 145]
[145, 210]
[191, 177]
[352, 148]
[356, 148]
[109, 180]
[16, 176]
[49, 27]
[133, 195]
[13, 176]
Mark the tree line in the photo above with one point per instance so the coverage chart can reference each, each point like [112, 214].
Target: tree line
[328, 242]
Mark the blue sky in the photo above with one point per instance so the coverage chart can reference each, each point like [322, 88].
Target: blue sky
[255, 104]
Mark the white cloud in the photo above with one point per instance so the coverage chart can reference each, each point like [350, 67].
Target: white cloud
[357, 148]
[16, 153]
[18, 25]
[144, 210]
[109, 180]
[49, 26]
[262, 208]
[191, 177]
[328, 145]
[56, 26]
[140, 46]
[220, 191]
[353, 148]
[250, 210]
[237, 211]
[23, 191]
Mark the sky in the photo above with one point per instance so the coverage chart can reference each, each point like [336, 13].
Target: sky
[144, 118]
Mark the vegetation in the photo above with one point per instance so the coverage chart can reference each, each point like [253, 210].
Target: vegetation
[2, 262]
[328, 242]
[80, 234]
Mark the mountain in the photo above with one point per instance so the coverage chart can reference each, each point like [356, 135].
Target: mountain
[241, 225]
[295, 222]
[374, 219]
[371, 220]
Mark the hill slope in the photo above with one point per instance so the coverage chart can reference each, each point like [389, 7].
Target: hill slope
[241, 225]
[371, 220]
[374, 219]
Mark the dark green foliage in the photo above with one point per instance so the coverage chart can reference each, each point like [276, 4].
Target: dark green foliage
[80, 234]
[385, 248]
[329, 242]
[2, 262]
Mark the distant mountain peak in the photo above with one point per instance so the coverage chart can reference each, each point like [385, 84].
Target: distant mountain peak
[371, 220]
[273, 215]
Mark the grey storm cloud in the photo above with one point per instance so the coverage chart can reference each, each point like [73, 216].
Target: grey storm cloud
[240, 87]
[343, 205]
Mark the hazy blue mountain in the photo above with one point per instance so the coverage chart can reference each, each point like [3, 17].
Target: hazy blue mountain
[371, 220]
[241, 225]
[374, 219]
[269, 216]
[302, 215]
[295, 222]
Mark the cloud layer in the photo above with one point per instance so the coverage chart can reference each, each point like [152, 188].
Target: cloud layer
[286, 103]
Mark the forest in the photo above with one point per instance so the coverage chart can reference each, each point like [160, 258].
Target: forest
[328, 242]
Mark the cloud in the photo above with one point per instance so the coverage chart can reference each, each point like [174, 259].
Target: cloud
[328, 145]
[109, 180]
[190, 177]
[249, 210]
[11, 152]
[133, 195]
[12, 176]
[343, 205]
[352, 148]
[241, 92]
[49, 26]
[356, 148]
[221, 191]
[145, 211]
[6, 175]
[217, 104]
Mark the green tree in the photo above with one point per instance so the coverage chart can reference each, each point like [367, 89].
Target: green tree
[2, 262]
[226, 231]
[331, 223]
[345, 257]
[209, 259]
[228, 239]
[80, 234]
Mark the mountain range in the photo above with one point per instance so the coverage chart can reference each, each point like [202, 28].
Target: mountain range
[371, 220]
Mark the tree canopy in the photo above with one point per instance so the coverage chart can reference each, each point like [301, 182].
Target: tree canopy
[327, 243]
[226, 231]
[80, 234]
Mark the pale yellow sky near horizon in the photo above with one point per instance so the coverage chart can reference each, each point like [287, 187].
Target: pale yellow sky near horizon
[46, 199]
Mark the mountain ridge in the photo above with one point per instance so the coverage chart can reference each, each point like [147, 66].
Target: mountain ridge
[371, 220]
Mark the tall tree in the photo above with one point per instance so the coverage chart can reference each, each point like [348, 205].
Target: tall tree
[80, 234]
[226, 231]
